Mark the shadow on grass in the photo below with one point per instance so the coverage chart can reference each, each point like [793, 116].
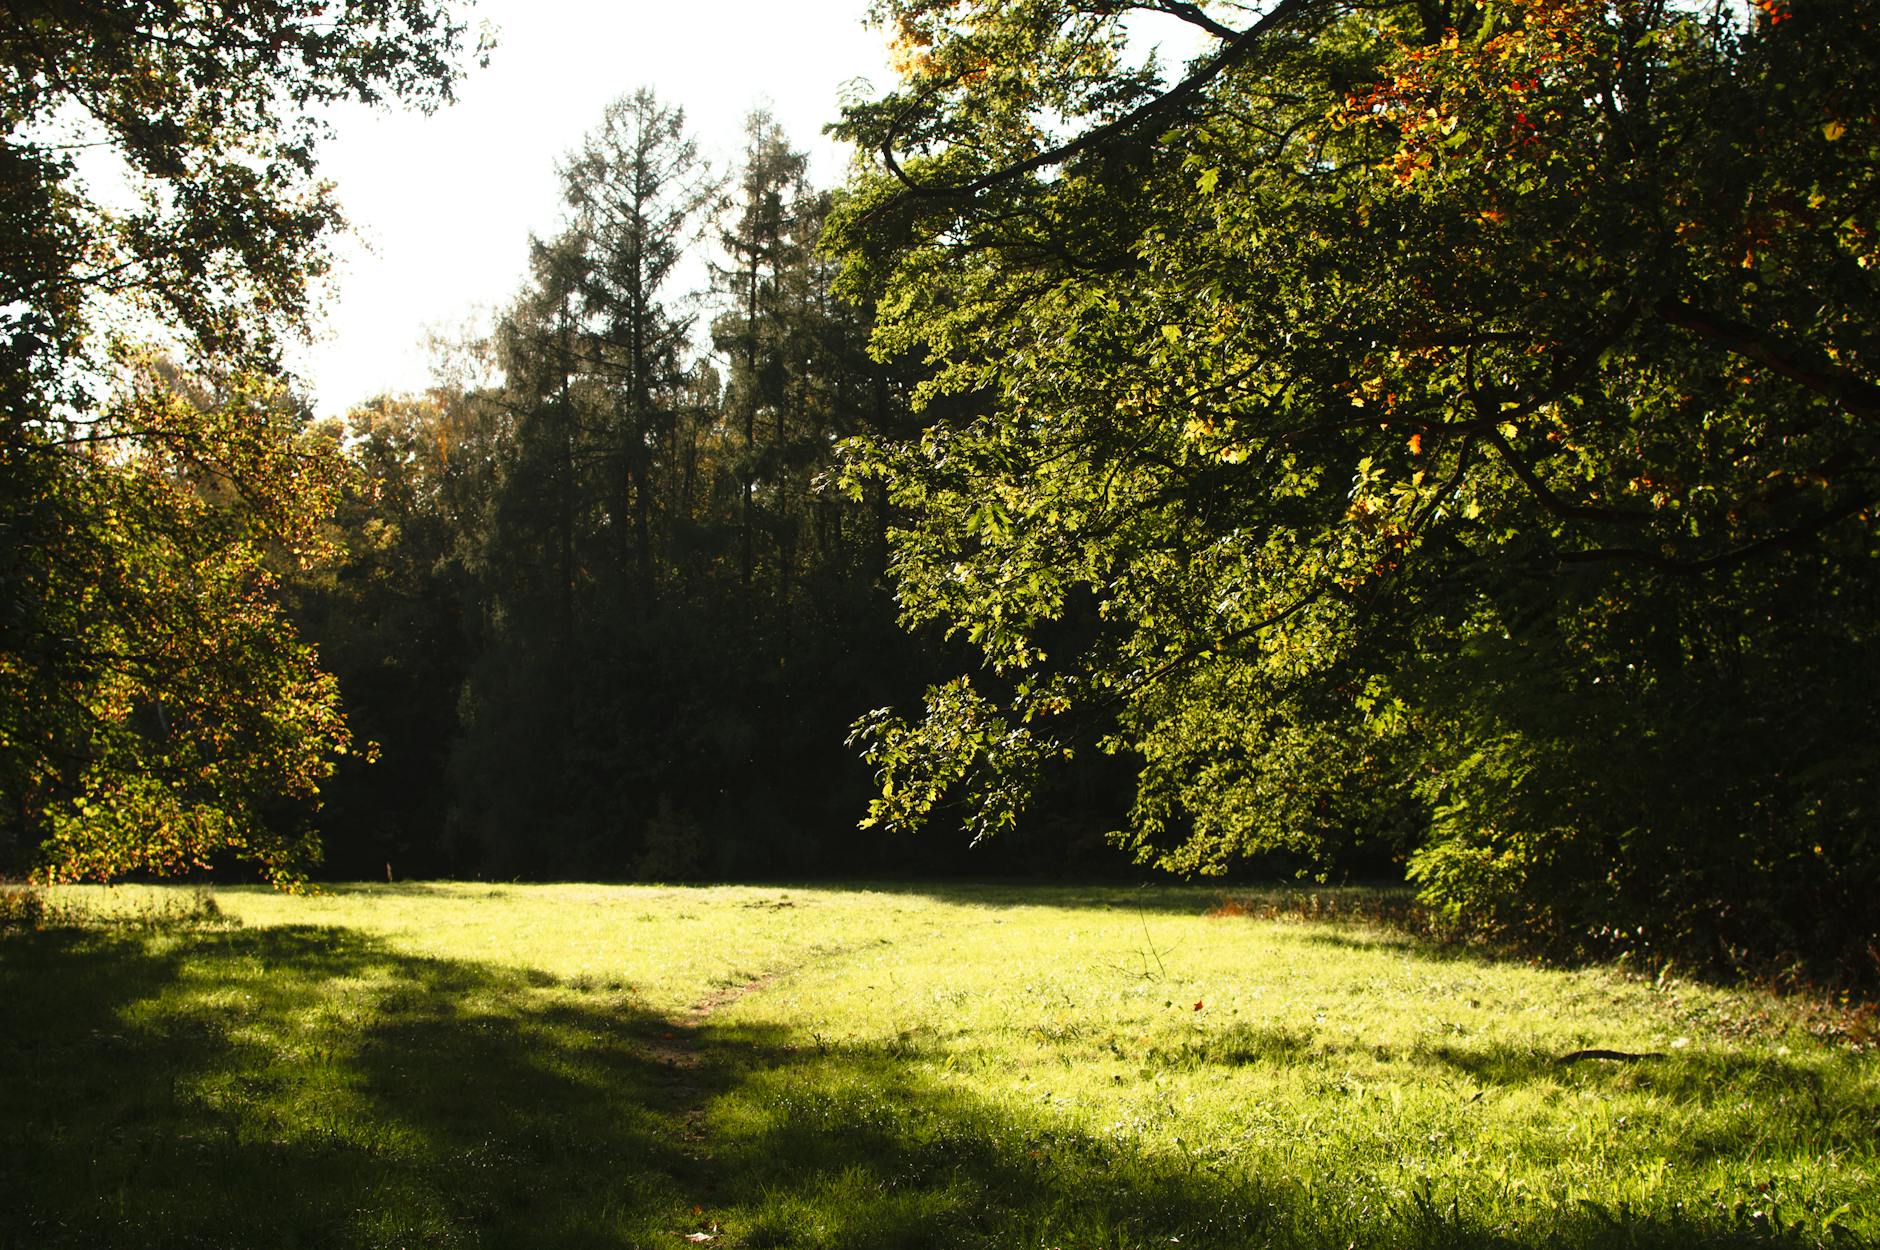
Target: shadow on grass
[1152, 899]
[853, 1147]
[1825, 1104]
[306, 1087]
[1155, 899]
[296, 1087]
[382, 889]
[1357, 917]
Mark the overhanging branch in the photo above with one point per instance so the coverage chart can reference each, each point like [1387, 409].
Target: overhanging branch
[1238, 46]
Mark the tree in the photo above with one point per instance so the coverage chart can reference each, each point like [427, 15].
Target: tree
[157, 707]
[765, 242]
[160, 710]
[578, 548]
[1460, 416]
[636, 189]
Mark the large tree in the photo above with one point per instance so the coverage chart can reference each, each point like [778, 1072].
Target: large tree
[160, 184]
[766, 240]
[1444, 429]
[637, 191]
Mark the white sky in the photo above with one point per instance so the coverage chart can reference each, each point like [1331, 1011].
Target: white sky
[443, 206]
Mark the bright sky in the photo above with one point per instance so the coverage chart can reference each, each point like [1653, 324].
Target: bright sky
[442, 206]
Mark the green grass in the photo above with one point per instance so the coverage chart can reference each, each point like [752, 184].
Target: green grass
[458, 1065]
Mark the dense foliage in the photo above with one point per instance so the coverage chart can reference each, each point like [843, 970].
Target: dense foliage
[1443, 430]
[157, 182]
[160, 710]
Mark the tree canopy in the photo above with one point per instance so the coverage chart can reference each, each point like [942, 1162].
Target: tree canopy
[162, 223]
[1443, 431]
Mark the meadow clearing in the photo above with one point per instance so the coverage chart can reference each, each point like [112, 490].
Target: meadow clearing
[888, 1067]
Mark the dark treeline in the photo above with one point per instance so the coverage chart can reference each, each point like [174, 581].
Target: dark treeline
[604, 616]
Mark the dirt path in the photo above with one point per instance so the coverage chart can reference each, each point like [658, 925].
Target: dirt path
[677, 1046]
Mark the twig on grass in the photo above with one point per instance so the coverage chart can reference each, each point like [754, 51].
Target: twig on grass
[1617, 1056]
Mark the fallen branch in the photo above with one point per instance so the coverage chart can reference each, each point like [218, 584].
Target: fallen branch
[1617, 1056]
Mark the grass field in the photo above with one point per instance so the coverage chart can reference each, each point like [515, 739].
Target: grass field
[571, 1066]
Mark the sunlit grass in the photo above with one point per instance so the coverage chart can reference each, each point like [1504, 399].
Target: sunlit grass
[958, 1066]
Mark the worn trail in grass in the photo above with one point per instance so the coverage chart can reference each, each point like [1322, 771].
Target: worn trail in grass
[459, 1065]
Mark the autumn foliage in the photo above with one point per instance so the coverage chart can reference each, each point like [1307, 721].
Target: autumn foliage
[1434, 435]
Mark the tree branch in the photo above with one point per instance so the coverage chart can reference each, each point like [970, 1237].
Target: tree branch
[1238, 46]
[1686, 568]
[1551, 501]
[1853, 395]
[1190, 13]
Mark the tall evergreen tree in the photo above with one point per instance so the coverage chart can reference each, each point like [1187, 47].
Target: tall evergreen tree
[666, 618]
[765, 244]
[636, 190]
[604, 414]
